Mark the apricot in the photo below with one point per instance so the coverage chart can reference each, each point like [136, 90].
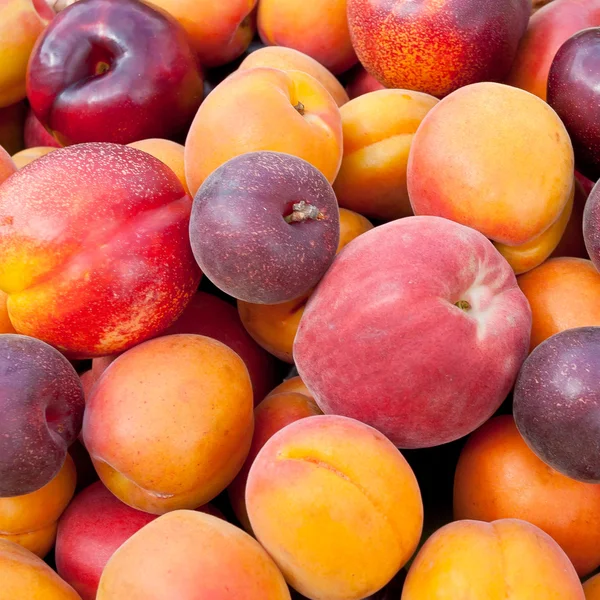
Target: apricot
[288, 59]
[592, 588]
[264, 109]
[479, 158]
[189, 555]
[508, 558]
[28, 155]
[379, 128]
[336, 505]
[188, 401]
[5, 323]
[318, 28]
[293, 384]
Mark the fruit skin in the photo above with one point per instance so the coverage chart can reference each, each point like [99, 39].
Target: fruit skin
[487, 136]
[12, 122]
[556, 400]
[378, 131]
[437, 46]
[592, 588]
[7, 165]
[499, 477]
[24, 575]
[42, 404]
[270, 416]
[591, 225]
[288, 59]
[239, 212]
[572, 242]
[563, 294]
[361, 82]
[5, 324]
[293, 384]
[24, 157]
[35, 133]
[318, 28]
[62, 271]
[92, 528]
[446, 370]
[170, 454]
[218, 32]
[141, 95]
[336, 505]
[163, 560]
[506, 558]
[549, 28]
[30, 520]
[255, 110]
[573, 84]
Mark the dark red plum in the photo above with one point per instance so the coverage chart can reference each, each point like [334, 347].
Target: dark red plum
[41, 412]
[574, 93]
[107, 71]
[265, 227]
[557, 403]
[591, 225]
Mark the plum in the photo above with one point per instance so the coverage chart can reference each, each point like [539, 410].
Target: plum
[591, 225]
[557, 402]
[265, 227]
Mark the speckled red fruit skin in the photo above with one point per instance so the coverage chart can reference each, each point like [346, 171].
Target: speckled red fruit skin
[152, 88]
[591, 225]
[437, 46]
[95, 250]
[557, 402]
[41, 408]
[240, 238]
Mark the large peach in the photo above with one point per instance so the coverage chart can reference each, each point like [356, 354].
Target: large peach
[336, 505]
[264, 109]
[188, 400]
[318, 28]
[378, 132]
[189, 555]
[437, 46]
[28, 155]
[480, 158]
[92, 291]
[12, 123]
[508, 558]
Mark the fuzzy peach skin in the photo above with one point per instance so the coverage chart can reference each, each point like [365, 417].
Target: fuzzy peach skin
[24, 575]
[188, 401]
[293, 384]
[31, 520]
[219, 32]
[28, 155]
[508, 558]
[264, 109]
[437, 46]
[361, 82]
[499, 160]
[336, 505]
[270, 416]
[549, 28]
[274, 326]
[20, 26]
[93, 291]
[6, 325]
[288, 59]
[12, 123]
[592, 588]
[498, 477]
[7, 165]
[189, 555]
[318, 28]
[378, 131]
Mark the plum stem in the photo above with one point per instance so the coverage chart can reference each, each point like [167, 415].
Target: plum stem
[463, 305]
[299, 107]
[303, 211]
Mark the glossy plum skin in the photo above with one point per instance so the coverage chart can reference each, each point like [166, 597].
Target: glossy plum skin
[107, 71]
[239, 212]
[35, 134]
[557, 402]
[591, 225]
[41, 403]
[574, 93]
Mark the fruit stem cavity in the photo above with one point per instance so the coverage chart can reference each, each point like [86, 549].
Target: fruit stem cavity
[463, 305]
[303, 211]
[300, 107]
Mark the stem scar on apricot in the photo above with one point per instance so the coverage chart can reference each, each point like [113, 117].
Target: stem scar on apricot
[299, 107]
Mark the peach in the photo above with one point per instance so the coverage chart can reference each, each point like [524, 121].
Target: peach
[293, 384]
[288, 59]
[270, 416]
[274, 326]
[20, 26]
[336, 505]
[189, 555]
[592, 588]
[361, 82]
[28, 155]
[24, 575]
[7, 165]
[264, 109]
[12, 123]
[5, 323]
[563, 294]
[508, 558]
[378, 131]
[318, 28]
[549, 28]
[499, 477]
[188, 400]
[485, 141]
[31, 520]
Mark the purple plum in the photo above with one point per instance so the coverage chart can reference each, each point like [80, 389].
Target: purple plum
[591, 225]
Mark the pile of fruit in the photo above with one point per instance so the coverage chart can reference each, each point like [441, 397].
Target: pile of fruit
[299, 299]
